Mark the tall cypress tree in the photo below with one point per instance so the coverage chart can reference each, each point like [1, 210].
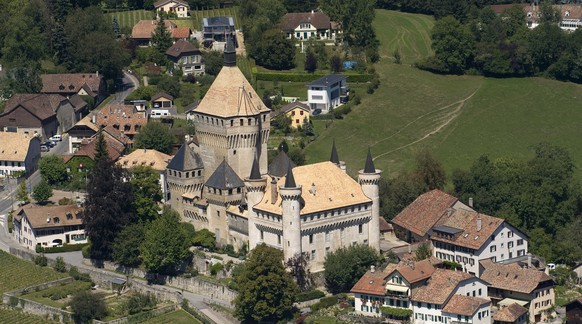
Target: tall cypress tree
[108, 208]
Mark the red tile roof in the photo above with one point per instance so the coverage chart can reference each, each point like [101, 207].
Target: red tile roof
[66, 214]
[384, 225]
[464, 305]
[511, 277]
[41, 105]
[373, 283]
[510, 313]
[119, 116]
[466, 221]
[181, 32]
[424, 212]
[440, 286]
[415, 271]
[145, 28]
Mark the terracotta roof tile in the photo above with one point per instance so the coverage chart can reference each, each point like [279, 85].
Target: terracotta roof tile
[41, 105]
[14, 146]
[373, 283]
[318, 19]
[440, 286]
[181, 33]
[415, 271]
[152, 158]
[464, 305]
[288, 107]
[466, 221]
[510, 313]
[144, 28]
[384, 225]
[424, 212]
[119, 116]
[511, 277]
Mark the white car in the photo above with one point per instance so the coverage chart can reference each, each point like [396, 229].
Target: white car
[56, 138]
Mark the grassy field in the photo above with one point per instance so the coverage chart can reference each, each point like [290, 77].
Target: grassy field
[176, 317]
[127, 19]
[19, 317]
[458, 118]
[16, 273]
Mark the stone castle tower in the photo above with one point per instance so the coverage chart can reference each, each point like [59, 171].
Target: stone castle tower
[369, 179]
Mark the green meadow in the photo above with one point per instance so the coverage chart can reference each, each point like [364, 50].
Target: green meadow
[458, 118]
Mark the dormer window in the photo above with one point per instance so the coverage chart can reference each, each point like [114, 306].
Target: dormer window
[56, 220]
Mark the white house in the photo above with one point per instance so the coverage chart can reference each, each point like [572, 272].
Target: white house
[49, 226]
[327, 93]
[179, 7]
[18, 153]
[308, 25]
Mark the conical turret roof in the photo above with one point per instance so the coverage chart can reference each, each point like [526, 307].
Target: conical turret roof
[289, 179]
[255, 172]
[224, 178]
[369, 167]
[185, 159]
[334, 158]
[278, 167]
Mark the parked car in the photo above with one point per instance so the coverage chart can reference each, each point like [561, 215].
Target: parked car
[56, 138]
[44, 148]
[50, 144]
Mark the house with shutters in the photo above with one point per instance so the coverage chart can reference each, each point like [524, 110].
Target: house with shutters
[308, 25]
[297, 111]
[172, 7]
[186, 58]
[90, 85]
[18, 153]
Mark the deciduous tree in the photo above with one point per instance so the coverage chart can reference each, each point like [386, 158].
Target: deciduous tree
[275, 51]
[53, 169]
[165, 246]
[423, 252]
[310, 62]
[155, 135]
[147, 193]
[87, 306]
[345, 266]
[126, 247]
[297, 266]
[42, 192]
[22, 193]
[266, 290]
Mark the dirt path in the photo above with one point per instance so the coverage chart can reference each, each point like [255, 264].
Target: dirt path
[450, 117]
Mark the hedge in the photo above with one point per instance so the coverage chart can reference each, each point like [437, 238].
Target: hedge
[310, 295]
[324, 303]
[64, 248]
[307, 77]
[396, 312]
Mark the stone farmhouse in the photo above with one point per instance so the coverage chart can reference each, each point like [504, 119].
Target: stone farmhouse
[458, 233]
[49, 226]
[82, 84]
[221, 181]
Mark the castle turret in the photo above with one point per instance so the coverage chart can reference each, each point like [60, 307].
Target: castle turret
[255, 186]
[334, 158]
[369, 179]
[291, 205]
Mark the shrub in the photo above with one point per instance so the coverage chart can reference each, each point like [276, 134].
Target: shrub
[215, 268]
[308, 77]
[60, 265]
[64, 248]
[310, 295]
[88, 306]
[140, 302]
[324, 303]
[74, 272]
[41, 260]
[86, 251]
[66, 201]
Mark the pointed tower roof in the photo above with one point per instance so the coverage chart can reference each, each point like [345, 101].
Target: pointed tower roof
[369, 167]
[224, 178]
[289, 179]
[229, 52]
[278, 167]
[334, 158]
[231, 95]
[185, 159]
[255, 172]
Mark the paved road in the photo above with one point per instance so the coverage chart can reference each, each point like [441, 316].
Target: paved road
[128, 84]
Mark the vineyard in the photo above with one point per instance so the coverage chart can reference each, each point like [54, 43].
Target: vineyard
[16, 273]
[19, 317]
[175, 317]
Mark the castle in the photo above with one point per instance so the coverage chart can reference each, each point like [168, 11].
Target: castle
[220, 181]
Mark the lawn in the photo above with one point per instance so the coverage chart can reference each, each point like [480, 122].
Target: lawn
[57, 296]
[176, 317]
[16, 273]
[459, 118]
[19, 317]
[127, 19]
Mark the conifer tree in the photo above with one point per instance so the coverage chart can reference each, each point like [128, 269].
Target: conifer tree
[108, 207]
[161, 37]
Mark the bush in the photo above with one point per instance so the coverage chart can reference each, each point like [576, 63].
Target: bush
[307, 77]
[64, 248]
[88, 306]
[310, 295]
[215, 268]
[139, 303]
[66, 201]
[41, 260]
[400, 313]
[86, 251]
[60, 265]
[74, 272]
[324, 303]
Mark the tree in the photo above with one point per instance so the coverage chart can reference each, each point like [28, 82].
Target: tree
[156, 136]
[335, 63]
[164, 248]
[257, 17]
[161, 37]
[546, 45]
[145, 184]
[307, 127]
[355, 18]
[204, 238]
[298, 268]
[275, 51]
[431, 172]
[548, 14]
[300, 5]
[116, 29]
[170, 85]
[126, 247]
[453, 44]
[310, 62]
[266, 290]
[213, 62]
[107, 207]
[22, 193]
[87, 306]
[423, 252]
[345, 266]
[42, 192]
[53, 169]
[60, 265]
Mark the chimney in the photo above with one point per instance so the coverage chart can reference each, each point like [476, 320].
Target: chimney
[478, 223]
[471, 202]
[93, 118]
[343, 166]
[529, 260]
[48, 218]
[274, 192]
[372, 268]
[313, 189]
